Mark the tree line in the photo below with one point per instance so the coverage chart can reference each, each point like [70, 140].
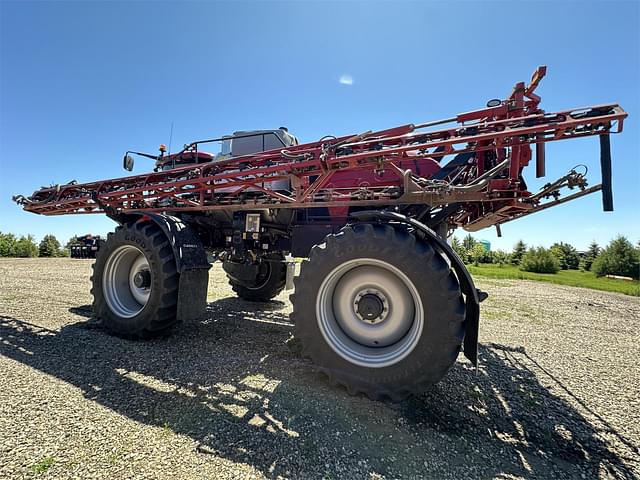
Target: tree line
[26, 246]
[620, 257]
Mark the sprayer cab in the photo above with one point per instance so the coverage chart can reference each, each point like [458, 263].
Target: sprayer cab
[238, 144]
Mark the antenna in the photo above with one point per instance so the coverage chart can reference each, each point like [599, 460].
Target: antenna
[170, 138]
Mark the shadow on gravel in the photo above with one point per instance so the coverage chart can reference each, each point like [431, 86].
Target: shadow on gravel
[230, 383]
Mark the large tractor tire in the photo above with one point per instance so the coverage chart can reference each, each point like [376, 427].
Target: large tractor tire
[269, 282]
[135, 282]
[379, 311]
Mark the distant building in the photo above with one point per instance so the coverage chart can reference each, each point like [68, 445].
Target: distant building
[486, 244]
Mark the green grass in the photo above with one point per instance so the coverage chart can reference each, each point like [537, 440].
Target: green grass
[167, 430]
[574, 278]
[43, 465]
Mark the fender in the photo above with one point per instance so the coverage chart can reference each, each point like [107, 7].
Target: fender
[187, 247]
[191, 261]
[472, 296]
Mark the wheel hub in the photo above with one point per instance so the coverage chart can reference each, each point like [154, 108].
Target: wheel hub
[142, 279]
[369, 312]
[371, 306]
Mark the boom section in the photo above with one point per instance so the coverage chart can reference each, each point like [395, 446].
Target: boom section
[487, 187]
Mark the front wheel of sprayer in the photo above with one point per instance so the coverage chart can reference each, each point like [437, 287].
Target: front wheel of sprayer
[135, 282]
[379, 311]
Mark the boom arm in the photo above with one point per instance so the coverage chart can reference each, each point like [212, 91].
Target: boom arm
[485, 189]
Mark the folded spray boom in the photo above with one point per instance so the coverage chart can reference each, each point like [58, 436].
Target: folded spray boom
[482, 184]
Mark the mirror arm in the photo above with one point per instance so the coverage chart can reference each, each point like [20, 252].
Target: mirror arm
[147, 155]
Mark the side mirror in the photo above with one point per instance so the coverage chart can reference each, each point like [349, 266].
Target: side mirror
[127, 162]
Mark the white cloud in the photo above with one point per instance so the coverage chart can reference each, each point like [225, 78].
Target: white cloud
[346, 79]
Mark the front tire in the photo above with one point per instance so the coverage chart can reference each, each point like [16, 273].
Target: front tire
[135, 282]
[379, 311]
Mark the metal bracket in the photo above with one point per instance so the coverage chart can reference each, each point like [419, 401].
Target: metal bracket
[605, 166]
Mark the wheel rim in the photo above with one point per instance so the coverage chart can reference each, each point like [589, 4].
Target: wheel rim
[126, 281]
[370, 313]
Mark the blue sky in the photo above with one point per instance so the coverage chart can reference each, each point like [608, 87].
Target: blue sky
[80, 83]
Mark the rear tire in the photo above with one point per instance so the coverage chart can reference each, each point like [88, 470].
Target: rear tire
[270, 282]
[379, 311]
[135, 282]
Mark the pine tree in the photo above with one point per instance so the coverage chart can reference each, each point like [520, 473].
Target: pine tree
[457, 247]
[518, 252]
[567, 255]
[619, 258]
[590, 256]
[469, 242]
[49, 247]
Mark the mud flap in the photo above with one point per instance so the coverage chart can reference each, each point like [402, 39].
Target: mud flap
[192, 294]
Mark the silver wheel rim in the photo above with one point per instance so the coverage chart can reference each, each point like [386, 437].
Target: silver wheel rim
[124, 291]
[382, 332]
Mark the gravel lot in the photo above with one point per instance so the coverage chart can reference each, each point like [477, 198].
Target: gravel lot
[556, 395]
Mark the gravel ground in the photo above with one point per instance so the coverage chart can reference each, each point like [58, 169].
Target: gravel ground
[556, 395]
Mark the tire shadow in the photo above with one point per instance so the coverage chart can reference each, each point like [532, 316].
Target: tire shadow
[230, 382]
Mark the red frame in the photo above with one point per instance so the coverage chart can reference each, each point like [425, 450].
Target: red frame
[508, 130]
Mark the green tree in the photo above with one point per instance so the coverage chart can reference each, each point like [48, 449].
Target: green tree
[459, 249]
[477, 253]
[469, 242]
[500, 257]
[539, 260]
[567, 255]
[619, 258]
[488, 257]
[571, 256]
[519, 250]
[49, 247]
[26, 247]
[7, 245]
[590, 256]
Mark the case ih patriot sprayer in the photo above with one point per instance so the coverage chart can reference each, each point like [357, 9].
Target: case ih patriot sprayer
[382, 304]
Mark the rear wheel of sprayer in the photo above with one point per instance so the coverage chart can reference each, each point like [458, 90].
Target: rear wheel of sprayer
[379, 311]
